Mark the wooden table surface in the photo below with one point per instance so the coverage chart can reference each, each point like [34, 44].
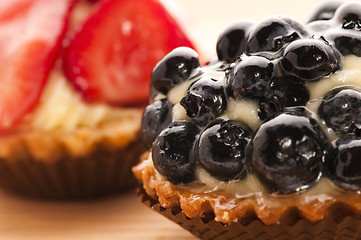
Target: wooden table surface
[120, 217]
[124, 217]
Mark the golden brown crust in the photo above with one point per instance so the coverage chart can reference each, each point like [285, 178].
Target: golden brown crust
[45, 145]
[227, 208]
[82, 163]
[292, 226]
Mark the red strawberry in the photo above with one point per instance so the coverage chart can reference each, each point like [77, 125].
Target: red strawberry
[112, 56]
[30, 38]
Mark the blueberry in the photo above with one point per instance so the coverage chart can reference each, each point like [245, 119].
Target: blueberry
[232, 41]
[340, 109]
[287, 152]
[251, 77]
[344, 165]
[273, 33]
[325, 10]
[320, 27]
[152, 93]
[204, 101]
[346, 42]
[348, 15]
[156, 117]
[222, 147]
[310, 59]
[172, 152]
[176, 67]
[283, 92]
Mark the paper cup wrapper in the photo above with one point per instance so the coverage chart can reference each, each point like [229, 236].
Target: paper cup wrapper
[337, 226]
[103, 171]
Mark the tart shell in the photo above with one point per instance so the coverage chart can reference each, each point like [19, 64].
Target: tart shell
[334, 226]
[216, 215]
[84, 163]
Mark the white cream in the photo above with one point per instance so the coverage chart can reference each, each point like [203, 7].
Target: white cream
[62, 108]
[244, 111]
[349, 76]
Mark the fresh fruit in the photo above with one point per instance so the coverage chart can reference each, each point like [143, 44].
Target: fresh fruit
[346, 35]
[283, 92]
[156, 117]
[204, 101]
[176, 67]
[320, 27]
[222, 149]
[287, 153]
[251, 77]
[31, 33]
[273, 33]
[325, 10]
[344, 165]
[310, 59]
[348, 15]
[172, 152]
[232, 41]
[112, 56]
[340, 109]
[346, 42]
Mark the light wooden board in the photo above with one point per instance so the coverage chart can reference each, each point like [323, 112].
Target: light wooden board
[120, 217]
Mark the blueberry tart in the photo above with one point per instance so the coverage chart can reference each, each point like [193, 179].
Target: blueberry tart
[263, 142]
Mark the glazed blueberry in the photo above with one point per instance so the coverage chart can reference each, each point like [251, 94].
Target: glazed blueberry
[283, 92]
[156, 117]
[222, 147]
[346, 42]
[344, 165]
[325, 11]
[204, 101]
[320, 27]
[176, 67]
[251, 77]
[152, 93]
[348, 15]
[172, 152]
[341, 109]
[274, 33]
[232, 41]
[310, 59]
[287, 153]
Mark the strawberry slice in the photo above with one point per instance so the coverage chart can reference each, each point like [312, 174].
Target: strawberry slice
[31, 32]
[112, 56]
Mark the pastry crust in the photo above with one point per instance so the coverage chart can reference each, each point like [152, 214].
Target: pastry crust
[48, 145]
[83, 163]
[228, 208]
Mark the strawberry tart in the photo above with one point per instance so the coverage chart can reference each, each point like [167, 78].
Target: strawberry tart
[75, 78]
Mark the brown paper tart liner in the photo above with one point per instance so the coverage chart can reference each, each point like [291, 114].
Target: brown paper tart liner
[84, 163]
[340, 223]
[102, 172]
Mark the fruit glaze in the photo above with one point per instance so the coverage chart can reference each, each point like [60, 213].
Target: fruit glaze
[272, 125]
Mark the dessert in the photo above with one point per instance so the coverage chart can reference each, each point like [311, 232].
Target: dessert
[75, 82]
[264, 141]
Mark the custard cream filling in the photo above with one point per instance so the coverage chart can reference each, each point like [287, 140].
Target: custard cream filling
[62, 108]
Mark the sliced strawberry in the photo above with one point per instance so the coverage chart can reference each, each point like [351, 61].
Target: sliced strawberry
[112, 56]
[31, 32]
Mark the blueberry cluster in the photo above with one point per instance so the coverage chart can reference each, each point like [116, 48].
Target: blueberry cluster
[269, 63]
